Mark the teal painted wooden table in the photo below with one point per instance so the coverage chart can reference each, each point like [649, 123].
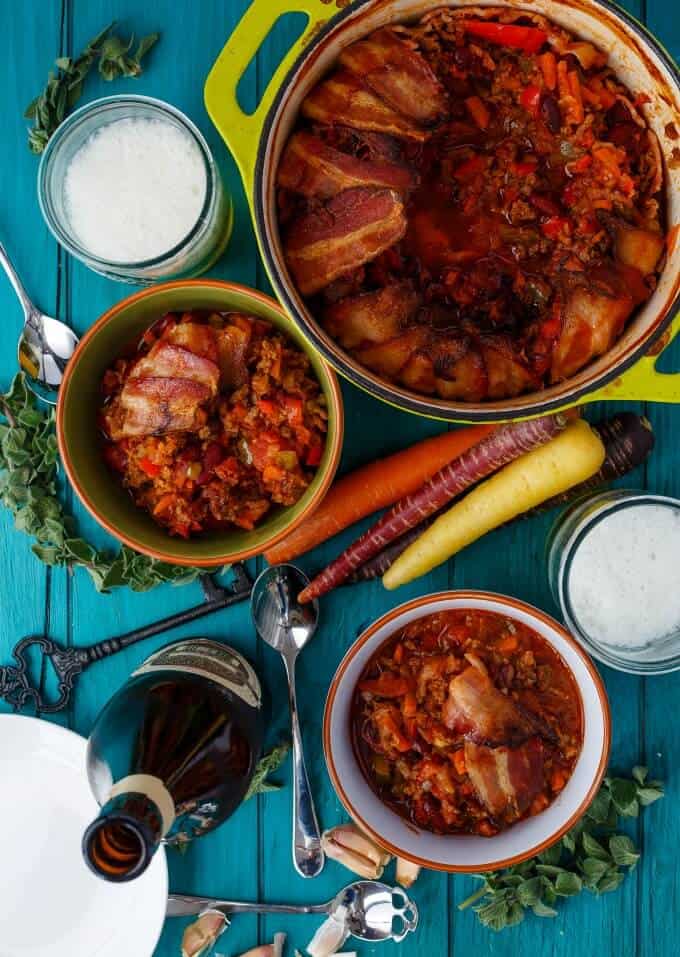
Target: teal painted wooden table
[249, 857]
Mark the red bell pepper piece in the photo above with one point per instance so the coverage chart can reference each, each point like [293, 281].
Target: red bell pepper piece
[528, 39]
[470, 167]
[553, 227]
[313, 457]
[149, 468]
[530, 98]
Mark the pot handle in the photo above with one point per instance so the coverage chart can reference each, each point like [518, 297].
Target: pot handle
[642, 382]
[241, 131]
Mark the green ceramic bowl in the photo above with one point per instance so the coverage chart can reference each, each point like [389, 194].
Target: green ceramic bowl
[77, 432]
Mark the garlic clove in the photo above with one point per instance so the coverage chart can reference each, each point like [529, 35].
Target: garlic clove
[332, 934]
[407, 872]
[275, 949]
[199, 938]
[351, 847]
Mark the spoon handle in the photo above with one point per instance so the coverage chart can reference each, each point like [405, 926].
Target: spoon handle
[185, 905]
[17, 284]
[308, 858]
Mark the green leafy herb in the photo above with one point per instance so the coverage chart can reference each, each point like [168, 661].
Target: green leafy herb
[591, 856]
[28, 488]
[268, 764]
[65, 85]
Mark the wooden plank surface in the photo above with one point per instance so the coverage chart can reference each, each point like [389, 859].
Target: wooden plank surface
[250, 855]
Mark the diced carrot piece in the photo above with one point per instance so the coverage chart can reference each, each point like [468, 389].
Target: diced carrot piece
[398, 654]
[575, 87]
[557, 780]
[459, 761]
[478, 111]
[548, 64]
[507, 644]
[562, 79]
[410, 705]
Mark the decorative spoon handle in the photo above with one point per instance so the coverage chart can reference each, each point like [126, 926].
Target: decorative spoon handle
[186, 905]
[69, 663]
[17, 284]
[308, 858]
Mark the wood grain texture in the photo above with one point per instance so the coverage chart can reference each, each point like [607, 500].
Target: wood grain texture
[250, 855]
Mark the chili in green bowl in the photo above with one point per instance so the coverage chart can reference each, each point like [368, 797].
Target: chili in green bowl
[82, 445]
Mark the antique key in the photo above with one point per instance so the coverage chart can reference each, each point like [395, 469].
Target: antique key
[69, 663]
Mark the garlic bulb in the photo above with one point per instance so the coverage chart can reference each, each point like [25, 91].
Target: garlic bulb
[351, 847]
[199, 937]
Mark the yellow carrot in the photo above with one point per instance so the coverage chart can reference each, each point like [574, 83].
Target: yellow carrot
[572, 457]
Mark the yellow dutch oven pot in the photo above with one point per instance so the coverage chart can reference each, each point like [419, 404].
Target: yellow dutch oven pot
[628, 370]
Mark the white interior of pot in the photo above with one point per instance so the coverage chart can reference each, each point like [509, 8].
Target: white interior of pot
[637, 65]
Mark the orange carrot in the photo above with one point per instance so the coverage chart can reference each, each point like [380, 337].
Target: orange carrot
[478, 111]
[375, 486]
[548, 65]
[575, 87]
[562, 79]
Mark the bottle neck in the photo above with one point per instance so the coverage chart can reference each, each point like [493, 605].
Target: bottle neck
[120, 843]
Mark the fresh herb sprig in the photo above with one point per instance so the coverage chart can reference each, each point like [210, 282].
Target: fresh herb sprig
[28, 488]
[267, 765]
[591, 856]
[65, 86]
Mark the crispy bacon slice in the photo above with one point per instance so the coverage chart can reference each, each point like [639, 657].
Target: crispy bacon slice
[371, 316]
[475, 707]
[154, 406]
[352, 228]
[313, 168]
[398, 74]
[232, 349]
[591, 324]
[197, 337]
[342, 98]
[506, 780]
[165, 360]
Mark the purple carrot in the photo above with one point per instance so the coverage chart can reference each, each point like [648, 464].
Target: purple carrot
[498, 449]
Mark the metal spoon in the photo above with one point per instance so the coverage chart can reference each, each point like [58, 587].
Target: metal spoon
[373, 909]
[287, 626]
[45, 344]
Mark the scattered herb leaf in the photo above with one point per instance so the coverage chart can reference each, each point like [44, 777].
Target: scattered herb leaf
[268, 764]
[28, 488]
[590, 856]
[65, 86]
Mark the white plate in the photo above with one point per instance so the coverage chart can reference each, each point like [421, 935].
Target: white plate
[50, 903]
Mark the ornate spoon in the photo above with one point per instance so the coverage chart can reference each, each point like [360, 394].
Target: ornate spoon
[372, 910]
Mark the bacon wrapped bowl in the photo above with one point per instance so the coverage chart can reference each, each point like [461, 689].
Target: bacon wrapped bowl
[196, 424]
[466, 731]
[471, 211]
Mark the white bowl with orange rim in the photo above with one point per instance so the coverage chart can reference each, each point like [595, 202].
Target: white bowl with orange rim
[462, 852]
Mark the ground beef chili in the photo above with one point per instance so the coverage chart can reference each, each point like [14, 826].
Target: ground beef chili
[466, 722]
[211, 420]
[471, 203]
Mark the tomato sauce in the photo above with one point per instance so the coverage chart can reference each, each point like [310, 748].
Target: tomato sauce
[466, 722]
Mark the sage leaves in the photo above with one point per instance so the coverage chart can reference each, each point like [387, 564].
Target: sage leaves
[65, 85]
[28, 488]
[591, 856]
